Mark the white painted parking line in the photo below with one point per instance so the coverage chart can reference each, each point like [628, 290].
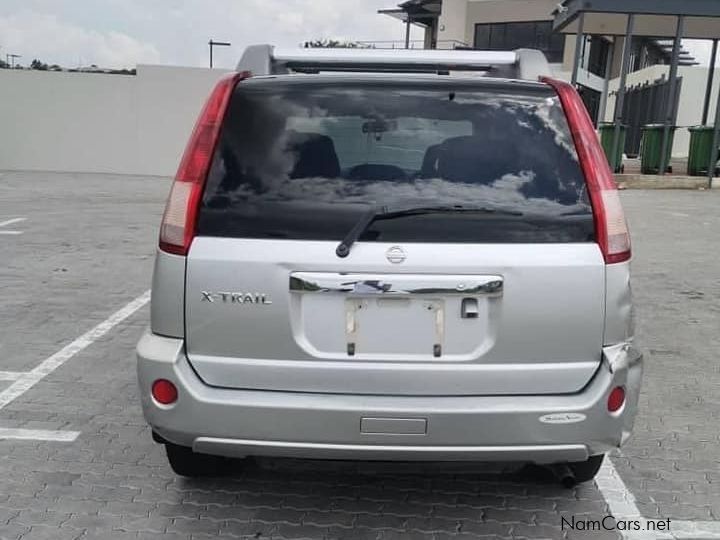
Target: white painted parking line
[50, 364]
[621, 503]
[10, 375]
[11, 221]
[38, 435]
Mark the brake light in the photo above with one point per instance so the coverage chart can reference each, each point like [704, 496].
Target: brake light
[178, 224]
[610, 225]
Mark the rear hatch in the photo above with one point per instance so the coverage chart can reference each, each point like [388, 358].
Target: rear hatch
[476, 271]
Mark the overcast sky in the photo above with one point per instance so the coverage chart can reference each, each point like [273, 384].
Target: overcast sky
[122, 33]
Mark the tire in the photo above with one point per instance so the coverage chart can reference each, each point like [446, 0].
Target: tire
[585, 471]
[185, 462]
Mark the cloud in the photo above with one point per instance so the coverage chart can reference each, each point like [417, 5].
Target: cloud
[121, 33]
[43, 36]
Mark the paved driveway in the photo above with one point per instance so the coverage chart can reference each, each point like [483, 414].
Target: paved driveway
[76, 459]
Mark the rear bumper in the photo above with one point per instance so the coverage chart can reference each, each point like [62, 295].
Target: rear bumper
[541, 429]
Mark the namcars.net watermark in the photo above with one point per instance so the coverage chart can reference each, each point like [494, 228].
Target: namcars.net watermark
[610, 523]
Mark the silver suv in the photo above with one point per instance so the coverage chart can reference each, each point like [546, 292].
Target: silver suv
[413, 255]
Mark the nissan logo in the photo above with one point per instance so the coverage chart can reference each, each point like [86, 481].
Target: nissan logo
[395, 255]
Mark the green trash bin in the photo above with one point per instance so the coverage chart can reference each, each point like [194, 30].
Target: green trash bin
[607, 133]
[701, 141]
[651, 148]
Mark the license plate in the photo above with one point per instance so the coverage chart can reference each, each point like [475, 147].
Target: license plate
[411, 327]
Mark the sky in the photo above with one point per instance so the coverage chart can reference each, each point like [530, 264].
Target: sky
[123, 33]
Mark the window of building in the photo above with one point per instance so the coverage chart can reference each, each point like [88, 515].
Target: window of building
[645, 53]
[516, 35]
[598, 56]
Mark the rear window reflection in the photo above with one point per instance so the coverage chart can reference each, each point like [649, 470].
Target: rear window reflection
[306, 161]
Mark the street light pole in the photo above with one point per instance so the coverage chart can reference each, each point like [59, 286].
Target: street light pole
[10, 59]
[212, 44]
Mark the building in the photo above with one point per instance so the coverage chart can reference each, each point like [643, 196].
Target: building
[513, 24]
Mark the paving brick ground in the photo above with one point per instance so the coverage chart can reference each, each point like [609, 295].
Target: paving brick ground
[86, 250]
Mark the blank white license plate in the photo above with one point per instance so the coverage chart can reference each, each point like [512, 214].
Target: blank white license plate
[394, 326]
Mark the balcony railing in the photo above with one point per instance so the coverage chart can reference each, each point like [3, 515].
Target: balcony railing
[414, 44]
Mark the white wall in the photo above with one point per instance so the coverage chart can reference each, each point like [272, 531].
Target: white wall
[452, 23]
[92, 122]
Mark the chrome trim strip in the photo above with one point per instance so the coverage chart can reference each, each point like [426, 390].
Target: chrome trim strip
[396, 284]
[244, 447]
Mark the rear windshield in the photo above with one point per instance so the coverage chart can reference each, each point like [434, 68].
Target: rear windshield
[306, 161]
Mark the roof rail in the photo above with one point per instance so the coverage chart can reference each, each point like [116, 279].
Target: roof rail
[520, 64]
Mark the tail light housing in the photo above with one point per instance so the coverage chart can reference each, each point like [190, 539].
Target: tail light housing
[178, 224]
[611, 228]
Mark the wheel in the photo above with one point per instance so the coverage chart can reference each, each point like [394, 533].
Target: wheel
[585, 471]
[185, 462]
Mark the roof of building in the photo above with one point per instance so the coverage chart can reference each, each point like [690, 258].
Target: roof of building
[416, 11]
[656, 18]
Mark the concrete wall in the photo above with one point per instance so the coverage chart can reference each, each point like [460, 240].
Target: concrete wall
[453, 22]
[91, 122]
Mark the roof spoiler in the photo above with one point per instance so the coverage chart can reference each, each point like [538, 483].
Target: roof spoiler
[526, 64]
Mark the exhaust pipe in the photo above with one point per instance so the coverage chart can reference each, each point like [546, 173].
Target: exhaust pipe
[564, 474]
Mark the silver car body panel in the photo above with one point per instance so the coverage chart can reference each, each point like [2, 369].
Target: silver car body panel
[537, 329]
[619, 312]
[167, 308]
[540, 428]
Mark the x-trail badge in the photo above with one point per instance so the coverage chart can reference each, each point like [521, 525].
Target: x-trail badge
[396, 255]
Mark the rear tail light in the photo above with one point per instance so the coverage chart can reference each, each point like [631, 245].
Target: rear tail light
[164, 392]
[616, 399]
[178, 225]
[610, 225]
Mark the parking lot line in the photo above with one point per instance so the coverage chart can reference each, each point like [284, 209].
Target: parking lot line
[38, 435]
[621, 503]
[619, 499]
[50, 364]
[11, 221]
[10, 375]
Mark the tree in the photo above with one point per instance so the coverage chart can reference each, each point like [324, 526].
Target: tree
[3, 64]
[37, 64]
[333, 44]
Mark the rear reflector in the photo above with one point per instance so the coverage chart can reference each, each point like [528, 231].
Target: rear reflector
[611, 229]
[164, 392]
[616, 399]
[178, 225]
